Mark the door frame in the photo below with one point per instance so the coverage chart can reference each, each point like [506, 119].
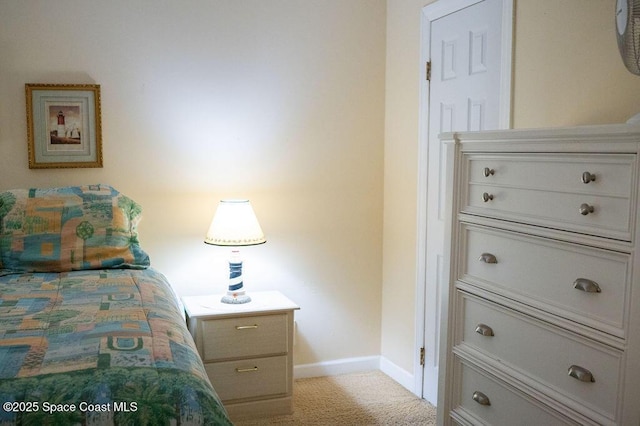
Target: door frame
[431, 12]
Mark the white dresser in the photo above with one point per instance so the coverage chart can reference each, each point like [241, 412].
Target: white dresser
[541, 320]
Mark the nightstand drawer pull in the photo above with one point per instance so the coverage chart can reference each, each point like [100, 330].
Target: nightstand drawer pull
[246, 370]
[481, 398]
[581, 374]
[488, 172]
[246, 327]
[586, 285]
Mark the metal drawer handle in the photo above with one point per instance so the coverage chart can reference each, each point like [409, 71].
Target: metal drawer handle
[484, 330]
[246, 327]
[581, 374]
[588, 177]
[481, 398]
[486, 197]
[488, 172]
[487, 258]
[246, 370]
[585, 209]
[587, 285]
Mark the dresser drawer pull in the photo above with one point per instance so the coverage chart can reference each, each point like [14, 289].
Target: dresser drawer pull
[484, 330]
[581, 374]
[585, 209]
[586, 285]
[487, 258]
[246, 370]
[588, 177]
[481, 398]
[488, 172]
[246, 327]
[486, 197]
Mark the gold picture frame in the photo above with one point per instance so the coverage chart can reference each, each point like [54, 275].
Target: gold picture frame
[64, 125]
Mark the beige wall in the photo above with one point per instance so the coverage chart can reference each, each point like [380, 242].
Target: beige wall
[292, 104]
[567, 67]
[401, 181]
[280, 101]
[567, 71]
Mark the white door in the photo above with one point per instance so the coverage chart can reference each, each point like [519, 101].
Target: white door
[470, 72]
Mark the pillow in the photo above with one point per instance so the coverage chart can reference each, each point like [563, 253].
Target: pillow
[69, 228]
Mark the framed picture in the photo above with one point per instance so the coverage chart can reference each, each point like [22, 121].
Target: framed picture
[63, 125]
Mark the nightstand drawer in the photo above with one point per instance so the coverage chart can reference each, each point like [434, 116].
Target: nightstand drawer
[244, 336]
[259, 377]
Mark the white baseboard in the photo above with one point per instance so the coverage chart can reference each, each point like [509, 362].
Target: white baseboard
[355, 365]
[400, 375]
[336, 367]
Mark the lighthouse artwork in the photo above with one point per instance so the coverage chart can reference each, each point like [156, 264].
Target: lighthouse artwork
[65, 126]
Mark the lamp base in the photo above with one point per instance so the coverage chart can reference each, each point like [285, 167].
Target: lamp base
[235, 293]
[235, 299]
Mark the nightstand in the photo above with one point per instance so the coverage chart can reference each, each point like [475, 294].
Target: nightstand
[247, 351]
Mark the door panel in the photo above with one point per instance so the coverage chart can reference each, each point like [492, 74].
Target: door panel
[466, 53]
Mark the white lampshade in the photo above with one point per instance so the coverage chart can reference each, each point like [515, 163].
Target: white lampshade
[235, 224]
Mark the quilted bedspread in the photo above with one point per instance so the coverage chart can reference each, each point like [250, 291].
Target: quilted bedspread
[99, 347]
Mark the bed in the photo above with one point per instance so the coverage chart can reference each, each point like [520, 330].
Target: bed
[89, 333]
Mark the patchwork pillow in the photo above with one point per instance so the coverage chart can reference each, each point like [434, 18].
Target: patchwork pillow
[69, 228]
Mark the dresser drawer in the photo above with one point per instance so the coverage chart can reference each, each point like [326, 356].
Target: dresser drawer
[250, 378]
[522, 188]
[542, 272]
[244, 336]
[555, 172]
[507, 405]
[546, 354]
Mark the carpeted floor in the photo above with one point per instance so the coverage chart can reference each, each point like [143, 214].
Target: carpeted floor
[359, 399]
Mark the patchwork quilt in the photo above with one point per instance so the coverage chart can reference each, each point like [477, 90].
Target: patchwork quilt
[97, 347]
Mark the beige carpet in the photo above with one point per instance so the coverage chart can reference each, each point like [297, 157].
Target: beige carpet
[359, 399]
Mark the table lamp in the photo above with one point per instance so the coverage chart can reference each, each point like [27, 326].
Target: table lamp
[235, 225]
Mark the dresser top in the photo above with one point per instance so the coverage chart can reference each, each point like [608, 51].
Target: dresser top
[611, 137]
[595, 131]
[261, 301]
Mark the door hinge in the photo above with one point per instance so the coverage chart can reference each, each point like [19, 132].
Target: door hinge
[422, 356]
[428, 70]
